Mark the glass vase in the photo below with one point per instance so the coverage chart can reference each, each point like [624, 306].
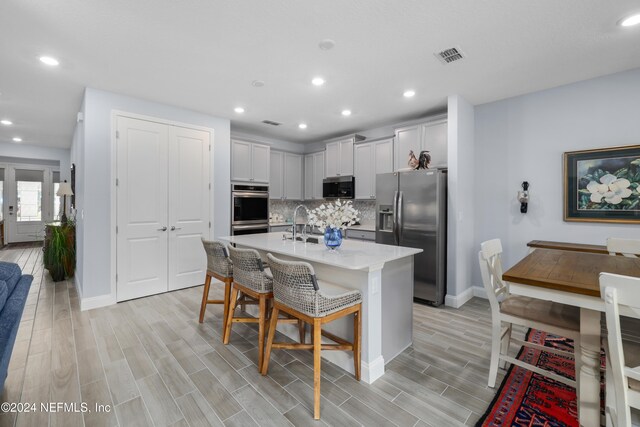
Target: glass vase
[332, 237]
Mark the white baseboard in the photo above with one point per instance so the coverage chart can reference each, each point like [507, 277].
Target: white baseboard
[457, 301]
[96, 302]
[78, 287]
[372, 371]
[480, 292]
[93, 302]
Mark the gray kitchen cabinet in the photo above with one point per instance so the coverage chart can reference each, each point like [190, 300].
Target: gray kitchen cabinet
[313, 175]
[249, 162]
[286, 177]
[430, 136]
[371, 159]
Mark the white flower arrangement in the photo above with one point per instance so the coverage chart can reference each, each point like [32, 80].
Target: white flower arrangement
[334, 215]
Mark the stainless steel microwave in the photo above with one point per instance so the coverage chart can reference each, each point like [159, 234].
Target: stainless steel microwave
[340, 187]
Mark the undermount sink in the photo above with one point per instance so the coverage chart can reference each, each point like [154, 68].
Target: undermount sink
[310, 239]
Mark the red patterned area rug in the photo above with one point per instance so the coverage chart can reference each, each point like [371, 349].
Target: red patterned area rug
[529, 399]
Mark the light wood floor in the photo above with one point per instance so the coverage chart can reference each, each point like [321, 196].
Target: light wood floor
[154, 364]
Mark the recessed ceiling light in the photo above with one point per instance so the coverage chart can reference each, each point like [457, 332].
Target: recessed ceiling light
[317, 81]
[630, 21]
[409, 93]
[326, 44]
[50, 61]
[17, 139]
[257, 83]
[239, 110]
[6, 122]
[302, 125]
[346, 112]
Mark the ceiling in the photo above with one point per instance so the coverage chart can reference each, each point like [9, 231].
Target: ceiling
[203, 55]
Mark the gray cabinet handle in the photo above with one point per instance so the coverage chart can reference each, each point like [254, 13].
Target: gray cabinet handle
[173, 228]
[162, 229]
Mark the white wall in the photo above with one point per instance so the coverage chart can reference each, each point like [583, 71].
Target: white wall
[26, 151]
[77, 158]
[523, 139]
[461, 199]
[95, 213]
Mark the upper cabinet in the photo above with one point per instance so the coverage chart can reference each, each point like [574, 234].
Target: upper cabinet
[339, 156]
[313, 175]
[276, 187]
[430, 136]
[249, 162]
[293, 177]
[286, 178]
[371, 159]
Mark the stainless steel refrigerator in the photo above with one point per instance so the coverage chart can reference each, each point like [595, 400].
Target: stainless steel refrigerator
[411, 210]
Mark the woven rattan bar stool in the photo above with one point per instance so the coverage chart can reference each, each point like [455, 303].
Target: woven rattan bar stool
[253, 279]
[219, 267]
[298, 293]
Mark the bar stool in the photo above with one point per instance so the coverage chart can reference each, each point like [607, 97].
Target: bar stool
[254, 281]
[298, 293]
[219, 267]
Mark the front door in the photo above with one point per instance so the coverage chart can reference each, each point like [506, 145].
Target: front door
[142, 244]
[26, 203]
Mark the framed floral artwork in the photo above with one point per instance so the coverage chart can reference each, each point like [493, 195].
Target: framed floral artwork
[602, 185]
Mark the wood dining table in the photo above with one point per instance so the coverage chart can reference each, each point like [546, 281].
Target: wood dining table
[572, 277]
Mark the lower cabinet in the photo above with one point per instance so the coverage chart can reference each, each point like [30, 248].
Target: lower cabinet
[366, 235]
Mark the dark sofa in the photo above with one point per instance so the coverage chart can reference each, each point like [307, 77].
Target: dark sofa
[14, 288]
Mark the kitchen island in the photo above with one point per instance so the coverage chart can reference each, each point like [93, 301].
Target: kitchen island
[382, 273]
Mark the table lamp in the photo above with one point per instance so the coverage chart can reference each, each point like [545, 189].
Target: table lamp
[64, 190]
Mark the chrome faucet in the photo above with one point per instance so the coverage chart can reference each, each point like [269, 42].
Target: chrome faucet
[295, 216]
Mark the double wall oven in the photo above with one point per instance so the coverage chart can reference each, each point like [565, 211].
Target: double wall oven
[249, 209]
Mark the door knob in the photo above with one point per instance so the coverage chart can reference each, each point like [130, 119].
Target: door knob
[162, 229]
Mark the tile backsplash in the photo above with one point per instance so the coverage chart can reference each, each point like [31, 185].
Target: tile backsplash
[285, 208]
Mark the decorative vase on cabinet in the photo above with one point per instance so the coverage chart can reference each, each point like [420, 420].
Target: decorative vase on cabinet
[332, 237]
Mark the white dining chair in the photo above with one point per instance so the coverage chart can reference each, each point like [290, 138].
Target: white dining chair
[548, 316]
[627, 247]
[621, 294]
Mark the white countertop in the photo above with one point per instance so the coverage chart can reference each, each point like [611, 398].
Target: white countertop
[352, 255]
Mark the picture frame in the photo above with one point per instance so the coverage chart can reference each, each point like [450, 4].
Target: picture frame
[602, 185]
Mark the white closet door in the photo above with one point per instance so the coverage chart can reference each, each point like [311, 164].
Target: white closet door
[142, 208]
[188, 206]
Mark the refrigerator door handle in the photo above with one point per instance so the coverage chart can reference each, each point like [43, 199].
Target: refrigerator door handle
[395, 218]
[399, 223]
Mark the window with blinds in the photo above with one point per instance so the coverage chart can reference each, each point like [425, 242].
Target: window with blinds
[56, 198]
[29, 185]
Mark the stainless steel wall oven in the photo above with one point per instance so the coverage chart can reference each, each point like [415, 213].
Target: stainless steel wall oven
[249, 209]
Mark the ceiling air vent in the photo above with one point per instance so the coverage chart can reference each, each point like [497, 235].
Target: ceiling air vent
[270, 122]
[447, 56]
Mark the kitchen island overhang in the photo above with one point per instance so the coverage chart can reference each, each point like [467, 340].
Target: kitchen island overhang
[382, 273]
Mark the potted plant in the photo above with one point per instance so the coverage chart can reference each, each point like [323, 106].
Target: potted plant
[59, 251]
